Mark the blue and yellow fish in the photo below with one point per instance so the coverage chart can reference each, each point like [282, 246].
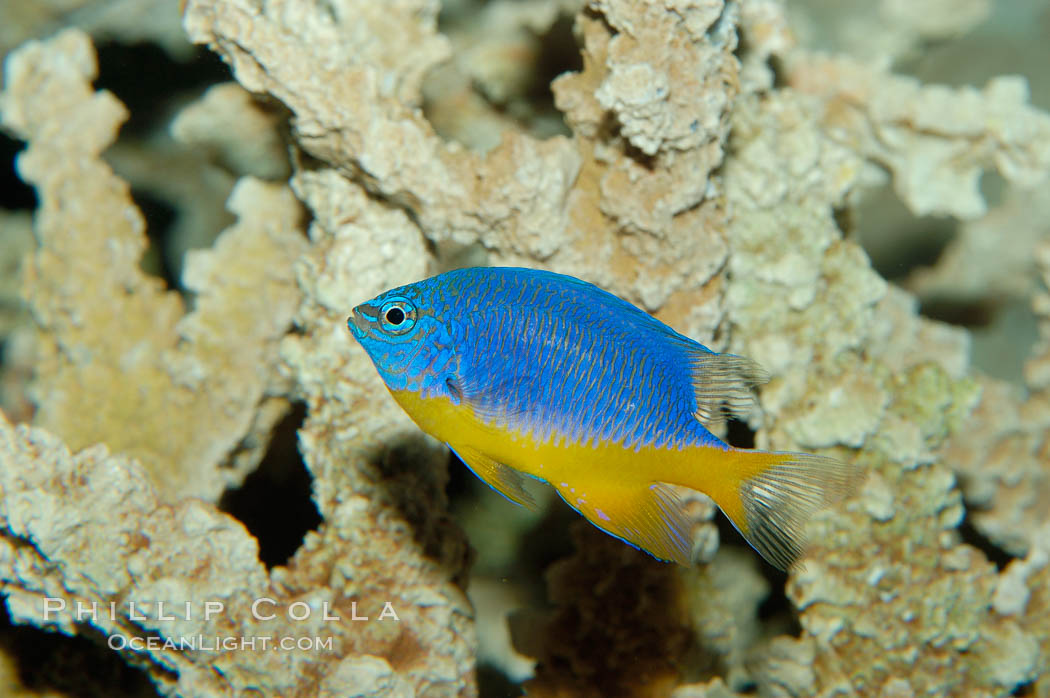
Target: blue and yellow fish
[526, 372]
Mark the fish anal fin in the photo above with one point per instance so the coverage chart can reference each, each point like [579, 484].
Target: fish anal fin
[648, 516]
[723, 384]
[502, 478]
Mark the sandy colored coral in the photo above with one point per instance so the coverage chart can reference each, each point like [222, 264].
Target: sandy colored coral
[198, 391]
[936, 140]
[1003, 453]
[613, 630]
[712, 168]
[515, 201]
[126, 20]
[1023, 594]
[500, 51]
[18, 229]
[627, 625]
[885, 30]
[89, 528]
[962, 271]
[242, 133]
[179, 391]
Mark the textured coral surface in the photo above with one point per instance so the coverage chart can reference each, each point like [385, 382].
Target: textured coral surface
[720, 163]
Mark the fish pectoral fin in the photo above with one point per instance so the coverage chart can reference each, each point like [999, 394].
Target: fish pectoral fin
[502, 478]
[648, 516]
[495, 398]
[723, 384]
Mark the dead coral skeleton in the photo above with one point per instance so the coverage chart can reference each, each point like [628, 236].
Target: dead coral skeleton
[695, 185]
[182, 396]
[180, 392]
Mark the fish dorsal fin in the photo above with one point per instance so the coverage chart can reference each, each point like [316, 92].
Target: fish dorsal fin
[650, 517]
[723, 384]
[502, 478]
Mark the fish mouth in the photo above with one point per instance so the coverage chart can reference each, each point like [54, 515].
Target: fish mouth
[357, 323]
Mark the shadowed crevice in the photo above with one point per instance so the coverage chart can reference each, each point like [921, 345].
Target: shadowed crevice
[739, 434]
[151, 83]
[15, 194]
[159, 216]
[78, 667]
[972, 536]
[775, 612]
[275, 502]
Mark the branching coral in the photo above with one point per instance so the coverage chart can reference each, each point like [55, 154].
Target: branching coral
[884, 30]
[189, 398]
[130, 20]
[89, 529]
[20, 241]
[695, 184]
[935, 140]
[119, 363]
[1003, 452]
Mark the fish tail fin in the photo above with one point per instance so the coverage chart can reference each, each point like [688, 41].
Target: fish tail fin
[770, 497]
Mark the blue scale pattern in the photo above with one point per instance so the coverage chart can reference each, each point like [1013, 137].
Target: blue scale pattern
[560, 358]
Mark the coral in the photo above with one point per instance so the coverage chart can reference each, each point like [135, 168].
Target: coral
[962, 271]
[627, 625]
[499, 55]
[714, 162]
[189, 398]
[1022, 593]
[90, 529]
[19, 241]
[193, 165]
[181, 392]
[1003, 452]
[936, 141]
[613, 632]
[493, 600]
[127, 20]
[240, 131]
[168, 175]
[885, 30]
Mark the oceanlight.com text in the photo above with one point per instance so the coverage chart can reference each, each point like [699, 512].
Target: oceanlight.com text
[219, 643]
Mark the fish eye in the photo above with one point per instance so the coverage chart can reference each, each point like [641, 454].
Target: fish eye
[397, 316]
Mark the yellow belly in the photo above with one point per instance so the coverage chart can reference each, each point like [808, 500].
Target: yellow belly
[623, 491]
[561, 462]
[626, 492]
